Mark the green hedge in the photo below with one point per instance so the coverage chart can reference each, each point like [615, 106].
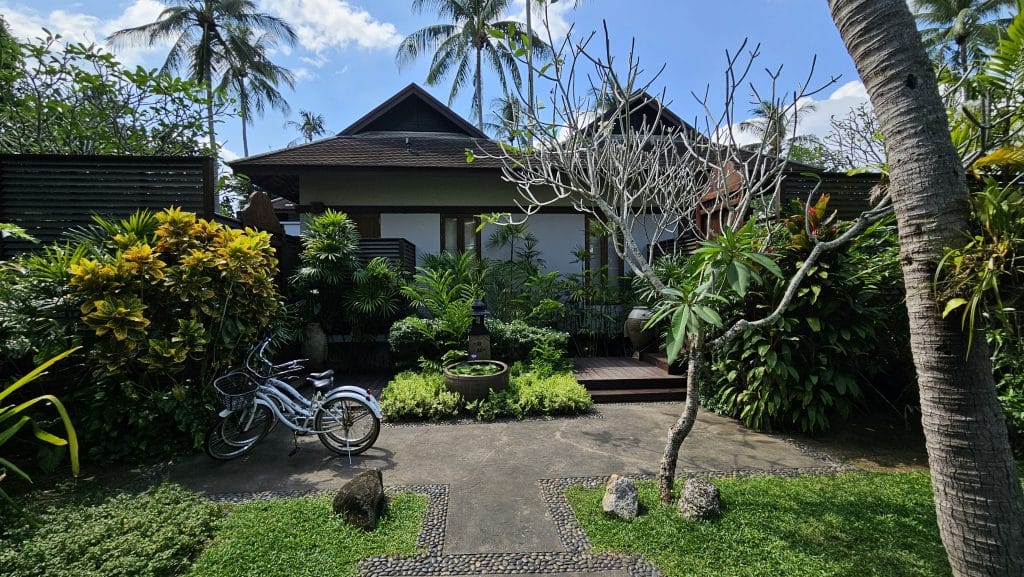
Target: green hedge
[413, 338]
[419, 396]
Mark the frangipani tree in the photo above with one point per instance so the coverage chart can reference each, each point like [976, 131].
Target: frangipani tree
[635, 166]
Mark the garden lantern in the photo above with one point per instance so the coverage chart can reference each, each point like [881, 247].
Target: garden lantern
[479, 336]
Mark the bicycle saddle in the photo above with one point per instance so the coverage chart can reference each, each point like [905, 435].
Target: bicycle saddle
[322, 380]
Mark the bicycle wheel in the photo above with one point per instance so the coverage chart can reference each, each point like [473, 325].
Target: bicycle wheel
[237, 433]
[348, 425]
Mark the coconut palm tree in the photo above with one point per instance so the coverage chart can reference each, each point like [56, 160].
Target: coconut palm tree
[771, 126]
[463, 43]
[310, 125]
[251, 78]
[201, 31]
[962, 26]
[978, 500]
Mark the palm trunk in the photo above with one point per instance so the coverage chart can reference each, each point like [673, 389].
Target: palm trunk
[479, 91]
[529, 54]
[978, 499]
[677, 432]
[244, 113]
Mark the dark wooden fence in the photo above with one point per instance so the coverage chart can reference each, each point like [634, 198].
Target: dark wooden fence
[48, 194]
[397, 250]
[848, 195]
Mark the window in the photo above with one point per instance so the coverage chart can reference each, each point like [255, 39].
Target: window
[459, 234]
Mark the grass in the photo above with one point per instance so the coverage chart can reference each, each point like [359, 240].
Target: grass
[88, 531]
[302, 537]
[855, 524]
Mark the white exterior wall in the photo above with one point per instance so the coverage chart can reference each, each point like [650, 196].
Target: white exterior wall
[557, 236]
[645, 233]
[423, 230]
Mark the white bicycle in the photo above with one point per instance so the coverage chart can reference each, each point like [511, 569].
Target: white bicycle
[255, 399]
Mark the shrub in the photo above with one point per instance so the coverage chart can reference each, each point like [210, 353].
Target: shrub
[418, 396]
[413, 338]
[1008, 368]
[839, 334]
[329, 258]
[532, 393]
[423, 396]
[171, 300]
[157, 533]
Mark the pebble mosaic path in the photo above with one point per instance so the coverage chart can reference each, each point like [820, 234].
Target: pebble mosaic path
[496, 513]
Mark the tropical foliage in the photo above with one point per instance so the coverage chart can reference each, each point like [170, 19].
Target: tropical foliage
[210, 37]
[15, 416]
[67, 98]
[833, 346]
[170, 300]
[464, 43]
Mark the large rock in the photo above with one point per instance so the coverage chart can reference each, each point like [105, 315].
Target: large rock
[362, 500]
[700, 500]
[620, 498]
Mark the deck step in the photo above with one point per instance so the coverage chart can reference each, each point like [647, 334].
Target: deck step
[635, 395]
[624, 379]
[660, 360]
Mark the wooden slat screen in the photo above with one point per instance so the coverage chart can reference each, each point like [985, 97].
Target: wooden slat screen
[847, 194]
[397, 250]
[48, 194]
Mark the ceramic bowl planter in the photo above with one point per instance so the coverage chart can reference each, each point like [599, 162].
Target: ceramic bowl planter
[474, 379]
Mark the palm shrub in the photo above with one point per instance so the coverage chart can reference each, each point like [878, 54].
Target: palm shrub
[330, 251]
[840, 334]
[171, 300]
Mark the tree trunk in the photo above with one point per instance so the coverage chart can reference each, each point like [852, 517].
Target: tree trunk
[478, 92]
[244, 108]
[677, 433]
[529, 54]
[977, 491]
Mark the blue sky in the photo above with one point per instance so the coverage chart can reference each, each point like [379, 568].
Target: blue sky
[345, 58]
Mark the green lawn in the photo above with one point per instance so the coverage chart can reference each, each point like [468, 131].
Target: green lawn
[855, 524]
[169, 532]
[302, 537]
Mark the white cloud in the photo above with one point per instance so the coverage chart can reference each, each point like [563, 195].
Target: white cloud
[816, 122]
[556, 17]
[302, 73]
[79, 27]
[326, 24]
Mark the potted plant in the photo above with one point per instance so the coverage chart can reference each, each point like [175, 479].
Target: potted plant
[474, 379]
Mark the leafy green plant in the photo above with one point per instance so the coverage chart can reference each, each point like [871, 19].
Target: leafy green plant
[835, 339]
[329, 257]
[418, 396]
[157, 533]
[171, 300]
[68, 98]
[423, 396]
[474, 368]
[375, 301]
[14, 417]
[985, 276]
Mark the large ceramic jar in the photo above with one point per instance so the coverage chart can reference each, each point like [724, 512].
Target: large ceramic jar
[634, 329]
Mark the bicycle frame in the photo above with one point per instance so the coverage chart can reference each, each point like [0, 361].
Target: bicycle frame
[300, 407]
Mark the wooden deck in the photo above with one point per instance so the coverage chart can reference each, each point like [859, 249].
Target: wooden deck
[620, 379]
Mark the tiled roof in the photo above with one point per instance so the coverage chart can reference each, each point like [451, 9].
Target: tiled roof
[411, 150]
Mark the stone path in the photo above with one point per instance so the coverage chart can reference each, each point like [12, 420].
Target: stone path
[494, 473]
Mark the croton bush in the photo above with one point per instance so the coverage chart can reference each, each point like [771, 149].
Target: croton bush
[170, 300]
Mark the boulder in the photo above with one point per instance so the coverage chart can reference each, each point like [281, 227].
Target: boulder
[620, 498]
[362, 501]
[700, 500]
